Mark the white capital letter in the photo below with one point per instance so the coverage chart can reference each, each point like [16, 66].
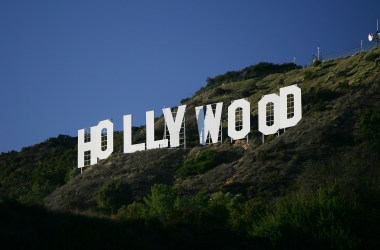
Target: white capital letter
[108, 126]
[273, 100]
[174, 126]
[246, 121]
[86, 146]
[150, 142]
[95, 145]
[128, 146]
[210, 123]
[294, 92]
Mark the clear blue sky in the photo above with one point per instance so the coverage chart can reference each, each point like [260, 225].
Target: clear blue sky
[65, 65]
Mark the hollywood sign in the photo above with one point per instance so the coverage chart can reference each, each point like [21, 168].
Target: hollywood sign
[274, 112]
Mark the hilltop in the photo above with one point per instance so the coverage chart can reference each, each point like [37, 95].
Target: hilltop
[327, 164]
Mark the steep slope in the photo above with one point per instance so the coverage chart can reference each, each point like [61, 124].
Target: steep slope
[336, 140]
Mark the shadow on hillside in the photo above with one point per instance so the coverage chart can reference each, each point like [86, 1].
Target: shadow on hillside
[27, 227]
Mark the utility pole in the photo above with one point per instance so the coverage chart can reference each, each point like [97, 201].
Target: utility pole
[377, 33]
[361, 46]
[318, 53]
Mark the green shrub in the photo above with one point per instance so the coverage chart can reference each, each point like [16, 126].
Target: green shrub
[70, 174]
[34, 172]
[206, 211]
[341, 73]
[343, 85]
[317, 63]
[158, 205]
[244, 214]
[261, 69]
[114, 194]
[317, 99]
[280, 82]
[308, 75]
[184, 100]
[221, 205]
[200, 163]
[325, 219]
[161, 201]
[190, 210]
[369, 124]
[203, 211]
[197, 201]
[371, 57]
[135, 211]
[322, 219]
[221, 91]
[262, 155]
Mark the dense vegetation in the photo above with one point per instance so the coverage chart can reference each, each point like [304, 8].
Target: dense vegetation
[33, 173]
[328, 218]
[255, 71]
[325, 219]
[200, 163]
[369, 128]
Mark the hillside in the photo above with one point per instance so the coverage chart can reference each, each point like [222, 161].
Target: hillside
[329, 160]
[336, 95]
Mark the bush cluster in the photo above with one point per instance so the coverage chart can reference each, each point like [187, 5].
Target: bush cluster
[114, 194]
[369, 128]
[199, 163]
[261, 69]
[317, 98]
[325, 219]
[36, 171]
